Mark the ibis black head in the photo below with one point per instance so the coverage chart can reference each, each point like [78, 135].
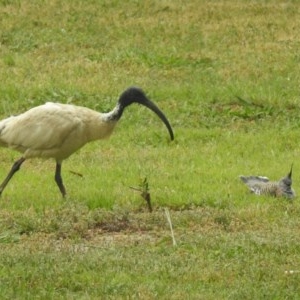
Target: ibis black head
[137, 95]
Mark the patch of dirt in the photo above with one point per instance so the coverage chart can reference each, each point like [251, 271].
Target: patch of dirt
[114, 225]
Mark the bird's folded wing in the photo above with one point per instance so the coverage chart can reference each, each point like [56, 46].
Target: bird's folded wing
[251, 180]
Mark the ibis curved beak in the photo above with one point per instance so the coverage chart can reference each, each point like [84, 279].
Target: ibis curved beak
[160, 114]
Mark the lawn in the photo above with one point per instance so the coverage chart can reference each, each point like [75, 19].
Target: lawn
[226, 75]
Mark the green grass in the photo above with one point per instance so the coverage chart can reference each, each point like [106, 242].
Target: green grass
[226, 74]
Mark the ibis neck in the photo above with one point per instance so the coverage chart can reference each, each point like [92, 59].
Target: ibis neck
[116, 113]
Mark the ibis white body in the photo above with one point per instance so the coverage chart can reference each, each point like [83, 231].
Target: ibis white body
[54, 130]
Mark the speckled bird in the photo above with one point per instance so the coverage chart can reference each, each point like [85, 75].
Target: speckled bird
[261, 185]
[56, 130]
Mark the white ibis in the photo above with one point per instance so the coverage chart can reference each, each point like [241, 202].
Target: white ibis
[56, 130]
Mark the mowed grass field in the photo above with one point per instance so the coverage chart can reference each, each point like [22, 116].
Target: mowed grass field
[226, 74]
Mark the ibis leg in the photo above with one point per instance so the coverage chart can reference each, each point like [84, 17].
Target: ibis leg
[16, 166]
[58, 179]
